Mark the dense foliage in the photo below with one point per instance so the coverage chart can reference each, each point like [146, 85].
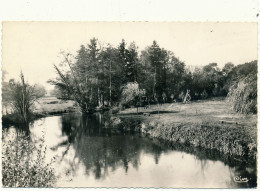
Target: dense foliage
[243, 91]
[97, 75]
[132, 94]
[23, 164]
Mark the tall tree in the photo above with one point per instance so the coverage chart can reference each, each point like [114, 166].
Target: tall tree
[176, 76]
[159, 60]
[133, 63]
[73, 83]
[154, 54]
[123, 61]
[111, 70]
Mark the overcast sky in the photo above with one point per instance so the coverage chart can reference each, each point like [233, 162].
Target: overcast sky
[34, 47]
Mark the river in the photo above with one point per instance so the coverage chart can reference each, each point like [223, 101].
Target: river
[90, 153]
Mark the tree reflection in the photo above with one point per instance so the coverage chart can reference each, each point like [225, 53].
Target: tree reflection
[101, 148]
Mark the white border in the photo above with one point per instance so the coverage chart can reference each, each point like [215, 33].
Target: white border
[130, 10]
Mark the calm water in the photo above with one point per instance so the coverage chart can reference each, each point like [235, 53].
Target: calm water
[91, 154]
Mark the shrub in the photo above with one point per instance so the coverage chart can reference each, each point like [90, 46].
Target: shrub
[114, 110]
[23, 164]
[22, 97]
[131, 94]
[243, 95]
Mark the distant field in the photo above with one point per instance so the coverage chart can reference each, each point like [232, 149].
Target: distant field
[213, 111]
[210, 124]
[53, 105]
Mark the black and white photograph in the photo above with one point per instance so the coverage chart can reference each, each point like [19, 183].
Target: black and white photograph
[129, 104]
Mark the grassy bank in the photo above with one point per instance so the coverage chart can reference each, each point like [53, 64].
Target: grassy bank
[226, 140]
[209, 124]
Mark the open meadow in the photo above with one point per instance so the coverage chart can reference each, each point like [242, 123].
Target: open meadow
[210, 124]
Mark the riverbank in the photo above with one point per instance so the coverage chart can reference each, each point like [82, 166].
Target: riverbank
[43, 107]
[209, 124]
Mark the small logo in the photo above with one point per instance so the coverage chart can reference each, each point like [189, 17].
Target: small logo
[239, 179]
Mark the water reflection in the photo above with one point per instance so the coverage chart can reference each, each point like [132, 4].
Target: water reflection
[100, 149]
[91, 153]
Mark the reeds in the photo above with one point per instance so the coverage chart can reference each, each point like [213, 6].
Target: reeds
[23, 164]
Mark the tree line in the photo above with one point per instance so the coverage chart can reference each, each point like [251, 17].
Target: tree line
[123, 76]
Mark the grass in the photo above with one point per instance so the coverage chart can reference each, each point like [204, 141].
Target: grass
[43, 107]
[47, 105]
[210, 124]
[52, 105]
